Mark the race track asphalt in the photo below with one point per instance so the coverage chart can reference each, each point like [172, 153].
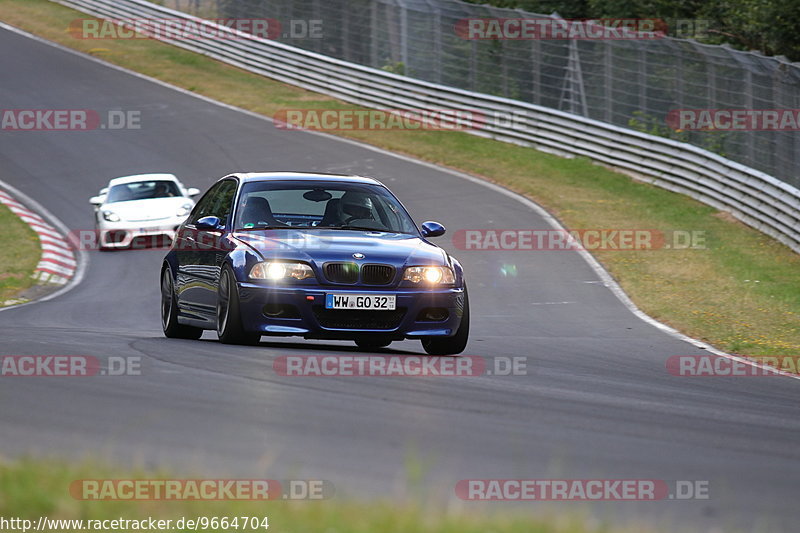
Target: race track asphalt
[597, 401]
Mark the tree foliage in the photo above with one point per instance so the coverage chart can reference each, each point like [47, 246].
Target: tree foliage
[770, 26]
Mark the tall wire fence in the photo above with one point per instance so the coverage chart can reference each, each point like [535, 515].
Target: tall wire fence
[630, 83]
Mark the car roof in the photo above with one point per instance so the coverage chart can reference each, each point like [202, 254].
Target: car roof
[305, 176]
[142, 177]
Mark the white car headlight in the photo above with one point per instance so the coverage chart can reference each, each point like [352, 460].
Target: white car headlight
[430, 274]
[184, 210]
[111, 216]
[276, 270]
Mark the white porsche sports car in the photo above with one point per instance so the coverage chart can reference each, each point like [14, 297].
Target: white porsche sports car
[141, 206]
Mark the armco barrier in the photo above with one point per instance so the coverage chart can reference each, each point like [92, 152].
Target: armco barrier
[753, 197]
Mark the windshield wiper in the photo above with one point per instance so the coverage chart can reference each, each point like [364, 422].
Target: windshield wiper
[262, 226]
[353, 228]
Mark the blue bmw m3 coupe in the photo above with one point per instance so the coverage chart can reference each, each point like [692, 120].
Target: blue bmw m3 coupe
[321, 256]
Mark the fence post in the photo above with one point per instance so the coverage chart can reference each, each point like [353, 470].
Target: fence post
[608, 76]
[572, 90]
[373, 26]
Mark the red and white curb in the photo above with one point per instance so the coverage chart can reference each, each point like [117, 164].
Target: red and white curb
[57, 264]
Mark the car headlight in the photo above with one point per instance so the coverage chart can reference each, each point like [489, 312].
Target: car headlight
[184, 210]
[430, 274]
[276, 270]
[111, 216]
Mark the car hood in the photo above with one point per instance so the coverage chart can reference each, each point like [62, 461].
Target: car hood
[322, 246]
[148, 209]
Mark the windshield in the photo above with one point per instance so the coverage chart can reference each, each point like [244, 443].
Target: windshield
[318, 205]
[143, 190]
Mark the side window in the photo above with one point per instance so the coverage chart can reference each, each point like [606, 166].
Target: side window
[224, 204]
[205, 207]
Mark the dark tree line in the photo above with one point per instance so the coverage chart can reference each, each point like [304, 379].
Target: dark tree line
[771, 27]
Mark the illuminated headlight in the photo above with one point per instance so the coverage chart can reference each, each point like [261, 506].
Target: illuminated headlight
[278, 271]
[184, 210]
[430, 274]
[110, 216]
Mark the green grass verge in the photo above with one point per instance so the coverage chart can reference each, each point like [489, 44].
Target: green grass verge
[741, 294]
[31, 489]
[19, 257]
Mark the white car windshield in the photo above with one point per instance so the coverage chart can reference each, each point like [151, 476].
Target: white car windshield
[143, 190]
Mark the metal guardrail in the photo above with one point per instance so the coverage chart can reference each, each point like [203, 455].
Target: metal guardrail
[755, 198]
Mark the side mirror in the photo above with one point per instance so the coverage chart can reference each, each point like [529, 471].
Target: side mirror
[103, 191]
[192, 192]
[432, 229]
[208, 224]
[96, 200]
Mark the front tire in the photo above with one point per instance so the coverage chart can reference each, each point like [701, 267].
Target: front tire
[455, 344]
[229, 318]
[169, 312]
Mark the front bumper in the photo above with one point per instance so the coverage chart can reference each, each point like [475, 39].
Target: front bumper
[125, 234]
[259, 303]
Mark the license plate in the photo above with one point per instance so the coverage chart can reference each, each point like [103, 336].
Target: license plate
[369, 302]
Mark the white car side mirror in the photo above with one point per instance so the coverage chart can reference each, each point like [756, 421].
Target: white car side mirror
[193, 191]
[96, 200]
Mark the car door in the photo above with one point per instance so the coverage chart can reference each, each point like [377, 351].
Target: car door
[210, 249]
[190, 276]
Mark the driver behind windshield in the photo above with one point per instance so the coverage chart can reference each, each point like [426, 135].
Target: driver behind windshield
[162, 190]
[356, 206]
